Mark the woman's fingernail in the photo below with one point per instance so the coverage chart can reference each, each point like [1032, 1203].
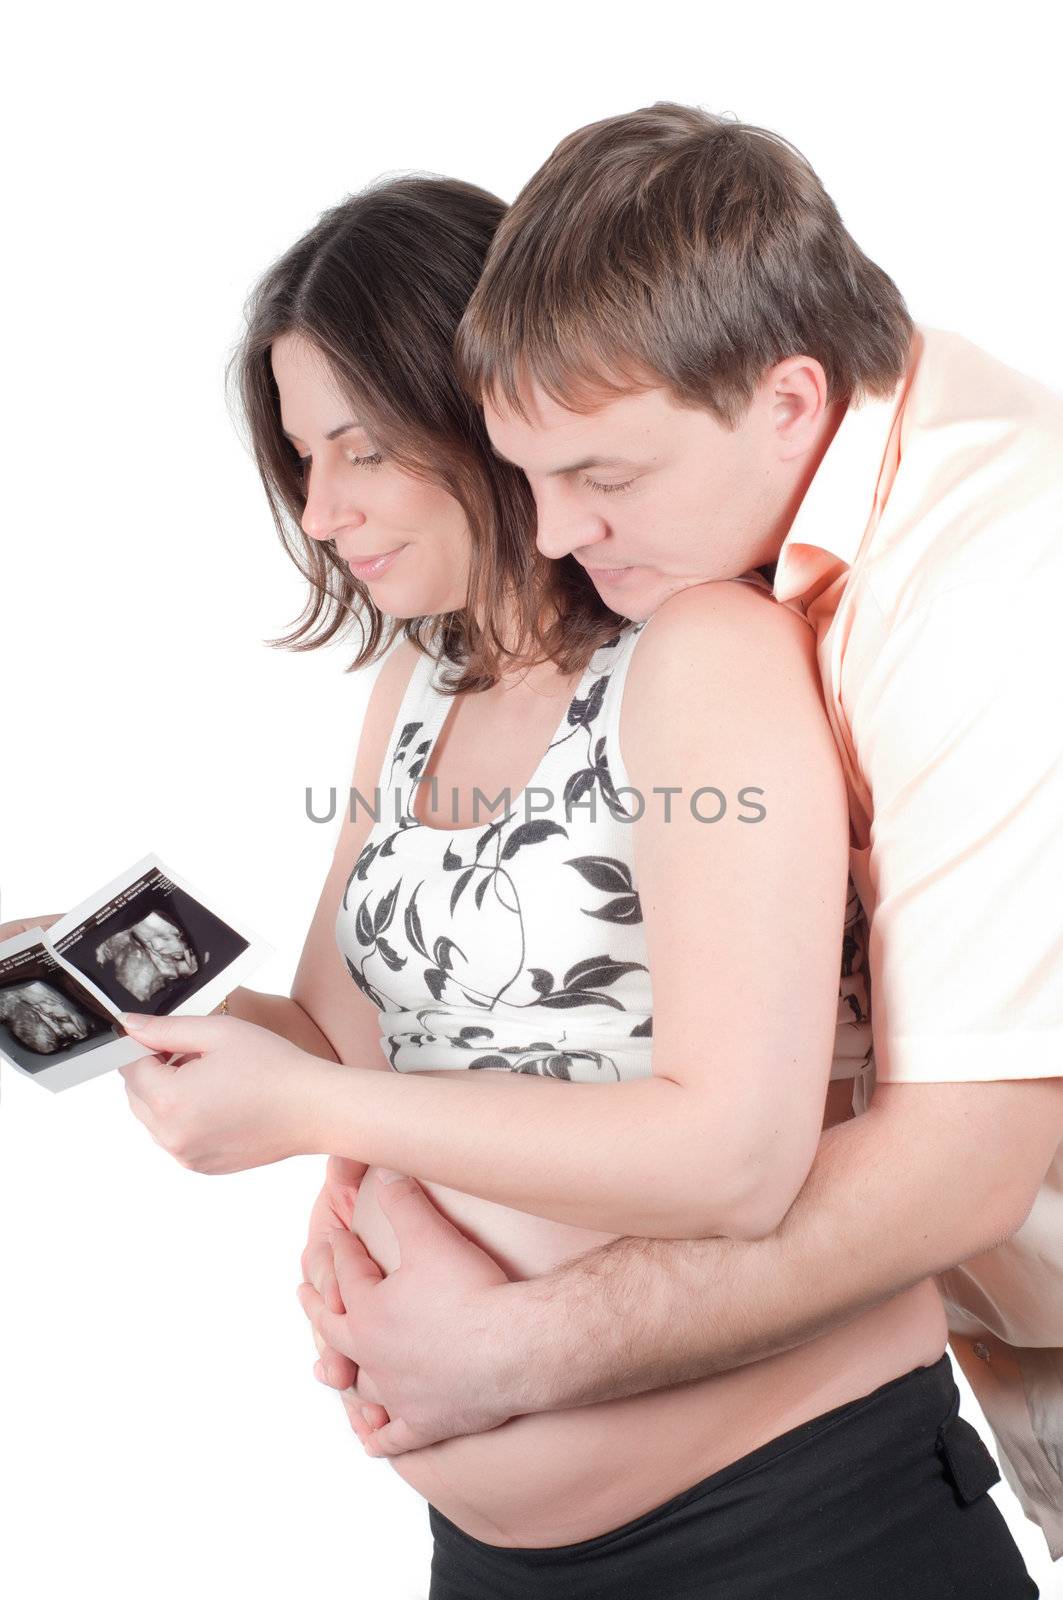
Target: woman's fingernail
[386, 1175]
[319, 1372]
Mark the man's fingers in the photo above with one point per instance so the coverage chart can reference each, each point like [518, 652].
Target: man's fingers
[338, 1371]
[394, 1439]
[364, 1419]
[354, 1416]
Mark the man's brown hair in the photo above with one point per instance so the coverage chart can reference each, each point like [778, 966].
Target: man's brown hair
[668, 245]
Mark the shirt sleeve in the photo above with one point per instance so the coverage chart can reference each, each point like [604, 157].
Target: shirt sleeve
[960, 726]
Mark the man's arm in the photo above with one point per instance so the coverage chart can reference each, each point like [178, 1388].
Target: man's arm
[928, 1176]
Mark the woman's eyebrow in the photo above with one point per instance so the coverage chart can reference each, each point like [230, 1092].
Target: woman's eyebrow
[344, 427]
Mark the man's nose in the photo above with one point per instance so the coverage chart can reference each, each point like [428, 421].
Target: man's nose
[328, 508]
[560, 530]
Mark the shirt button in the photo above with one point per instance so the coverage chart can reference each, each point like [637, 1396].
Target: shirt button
[982, 1351]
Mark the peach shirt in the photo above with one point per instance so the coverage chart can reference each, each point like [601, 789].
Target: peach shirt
[928, 556]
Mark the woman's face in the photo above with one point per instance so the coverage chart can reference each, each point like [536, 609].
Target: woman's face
[406, 540]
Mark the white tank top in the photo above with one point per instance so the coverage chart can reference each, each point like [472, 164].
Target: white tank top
[518, 945]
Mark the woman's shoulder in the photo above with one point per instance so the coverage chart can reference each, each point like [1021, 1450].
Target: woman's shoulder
[392, 681]
[383, 708]
[730, 600]
[728, 625]
[722, 666]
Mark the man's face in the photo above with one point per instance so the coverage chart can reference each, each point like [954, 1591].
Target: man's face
[649, 496]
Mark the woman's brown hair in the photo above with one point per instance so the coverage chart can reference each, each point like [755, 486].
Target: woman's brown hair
[378, 287]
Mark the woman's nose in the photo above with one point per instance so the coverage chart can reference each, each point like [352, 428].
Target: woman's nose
[327, 508]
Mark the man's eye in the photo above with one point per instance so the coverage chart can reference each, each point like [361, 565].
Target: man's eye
[607, 488]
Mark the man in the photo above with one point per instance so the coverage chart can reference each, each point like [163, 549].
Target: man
[700, 374]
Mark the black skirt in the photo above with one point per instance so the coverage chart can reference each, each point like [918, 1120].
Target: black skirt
[884, 1498]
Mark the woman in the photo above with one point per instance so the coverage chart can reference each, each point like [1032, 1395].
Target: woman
[690, 974]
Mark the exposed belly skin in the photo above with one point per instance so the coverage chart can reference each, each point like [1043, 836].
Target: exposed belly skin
[558, 1477]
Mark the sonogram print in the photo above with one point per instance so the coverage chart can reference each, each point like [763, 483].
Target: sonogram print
[149, 955]
[42, 1019]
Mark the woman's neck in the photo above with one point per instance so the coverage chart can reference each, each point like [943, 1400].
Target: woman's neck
[508, 628]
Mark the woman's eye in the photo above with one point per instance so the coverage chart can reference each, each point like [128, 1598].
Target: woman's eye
[607, 488]
[373, 460]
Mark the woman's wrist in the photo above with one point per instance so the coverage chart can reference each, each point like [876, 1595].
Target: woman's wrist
[328, 1109]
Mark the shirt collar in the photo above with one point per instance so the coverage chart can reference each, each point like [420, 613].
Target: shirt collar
[846, 495]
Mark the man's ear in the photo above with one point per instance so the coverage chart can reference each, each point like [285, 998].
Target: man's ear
[797, 399]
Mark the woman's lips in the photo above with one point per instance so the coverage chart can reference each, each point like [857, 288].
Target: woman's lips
[375, 566]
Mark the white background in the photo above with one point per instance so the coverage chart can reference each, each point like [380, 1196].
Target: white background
[161, 1428]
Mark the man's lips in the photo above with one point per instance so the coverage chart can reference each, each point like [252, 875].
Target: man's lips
[607, 574]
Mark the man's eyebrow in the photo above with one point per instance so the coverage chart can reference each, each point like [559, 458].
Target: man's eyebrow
[344, 427]
[575, 466]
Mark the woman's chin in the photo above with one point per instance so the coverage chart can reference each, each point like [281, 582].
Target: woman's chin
[402, 601]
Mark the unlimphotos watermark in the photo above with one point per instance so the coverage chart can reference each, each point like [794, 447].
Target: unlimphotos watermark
[707, 804]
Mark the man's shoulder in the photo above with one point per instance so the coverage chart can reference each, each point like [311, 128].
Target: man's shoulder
[956, 380]
[978, 490]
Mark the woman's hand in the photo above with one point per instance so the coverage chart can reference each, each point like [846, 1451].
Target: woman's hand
[334, 1209]
[422, 1354]
[245, 1099]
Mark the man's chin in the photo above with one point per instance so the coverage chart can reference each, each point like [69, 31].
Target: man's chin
[640, 595]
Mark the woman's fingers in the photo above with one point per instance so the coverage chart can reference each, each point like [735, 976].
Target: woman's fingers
[338, 1371]
[318, 1269]
[332, 1367]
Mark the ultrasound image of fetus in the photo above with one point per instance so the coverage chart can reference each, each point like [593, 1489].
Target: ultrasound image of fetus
[42, 1019]
[149, 955]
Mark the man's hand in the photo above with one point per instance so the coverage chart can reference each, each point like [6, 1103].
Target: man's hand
[398, 1345]
[449, 1346]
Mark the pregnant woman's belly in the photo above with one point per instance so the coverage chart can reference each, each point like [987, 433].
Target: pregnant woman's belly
[561, 1476]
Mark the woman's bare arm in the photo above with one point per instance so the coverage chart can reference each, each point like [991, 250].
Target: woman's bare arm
[929, 1176]
[743, 925]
